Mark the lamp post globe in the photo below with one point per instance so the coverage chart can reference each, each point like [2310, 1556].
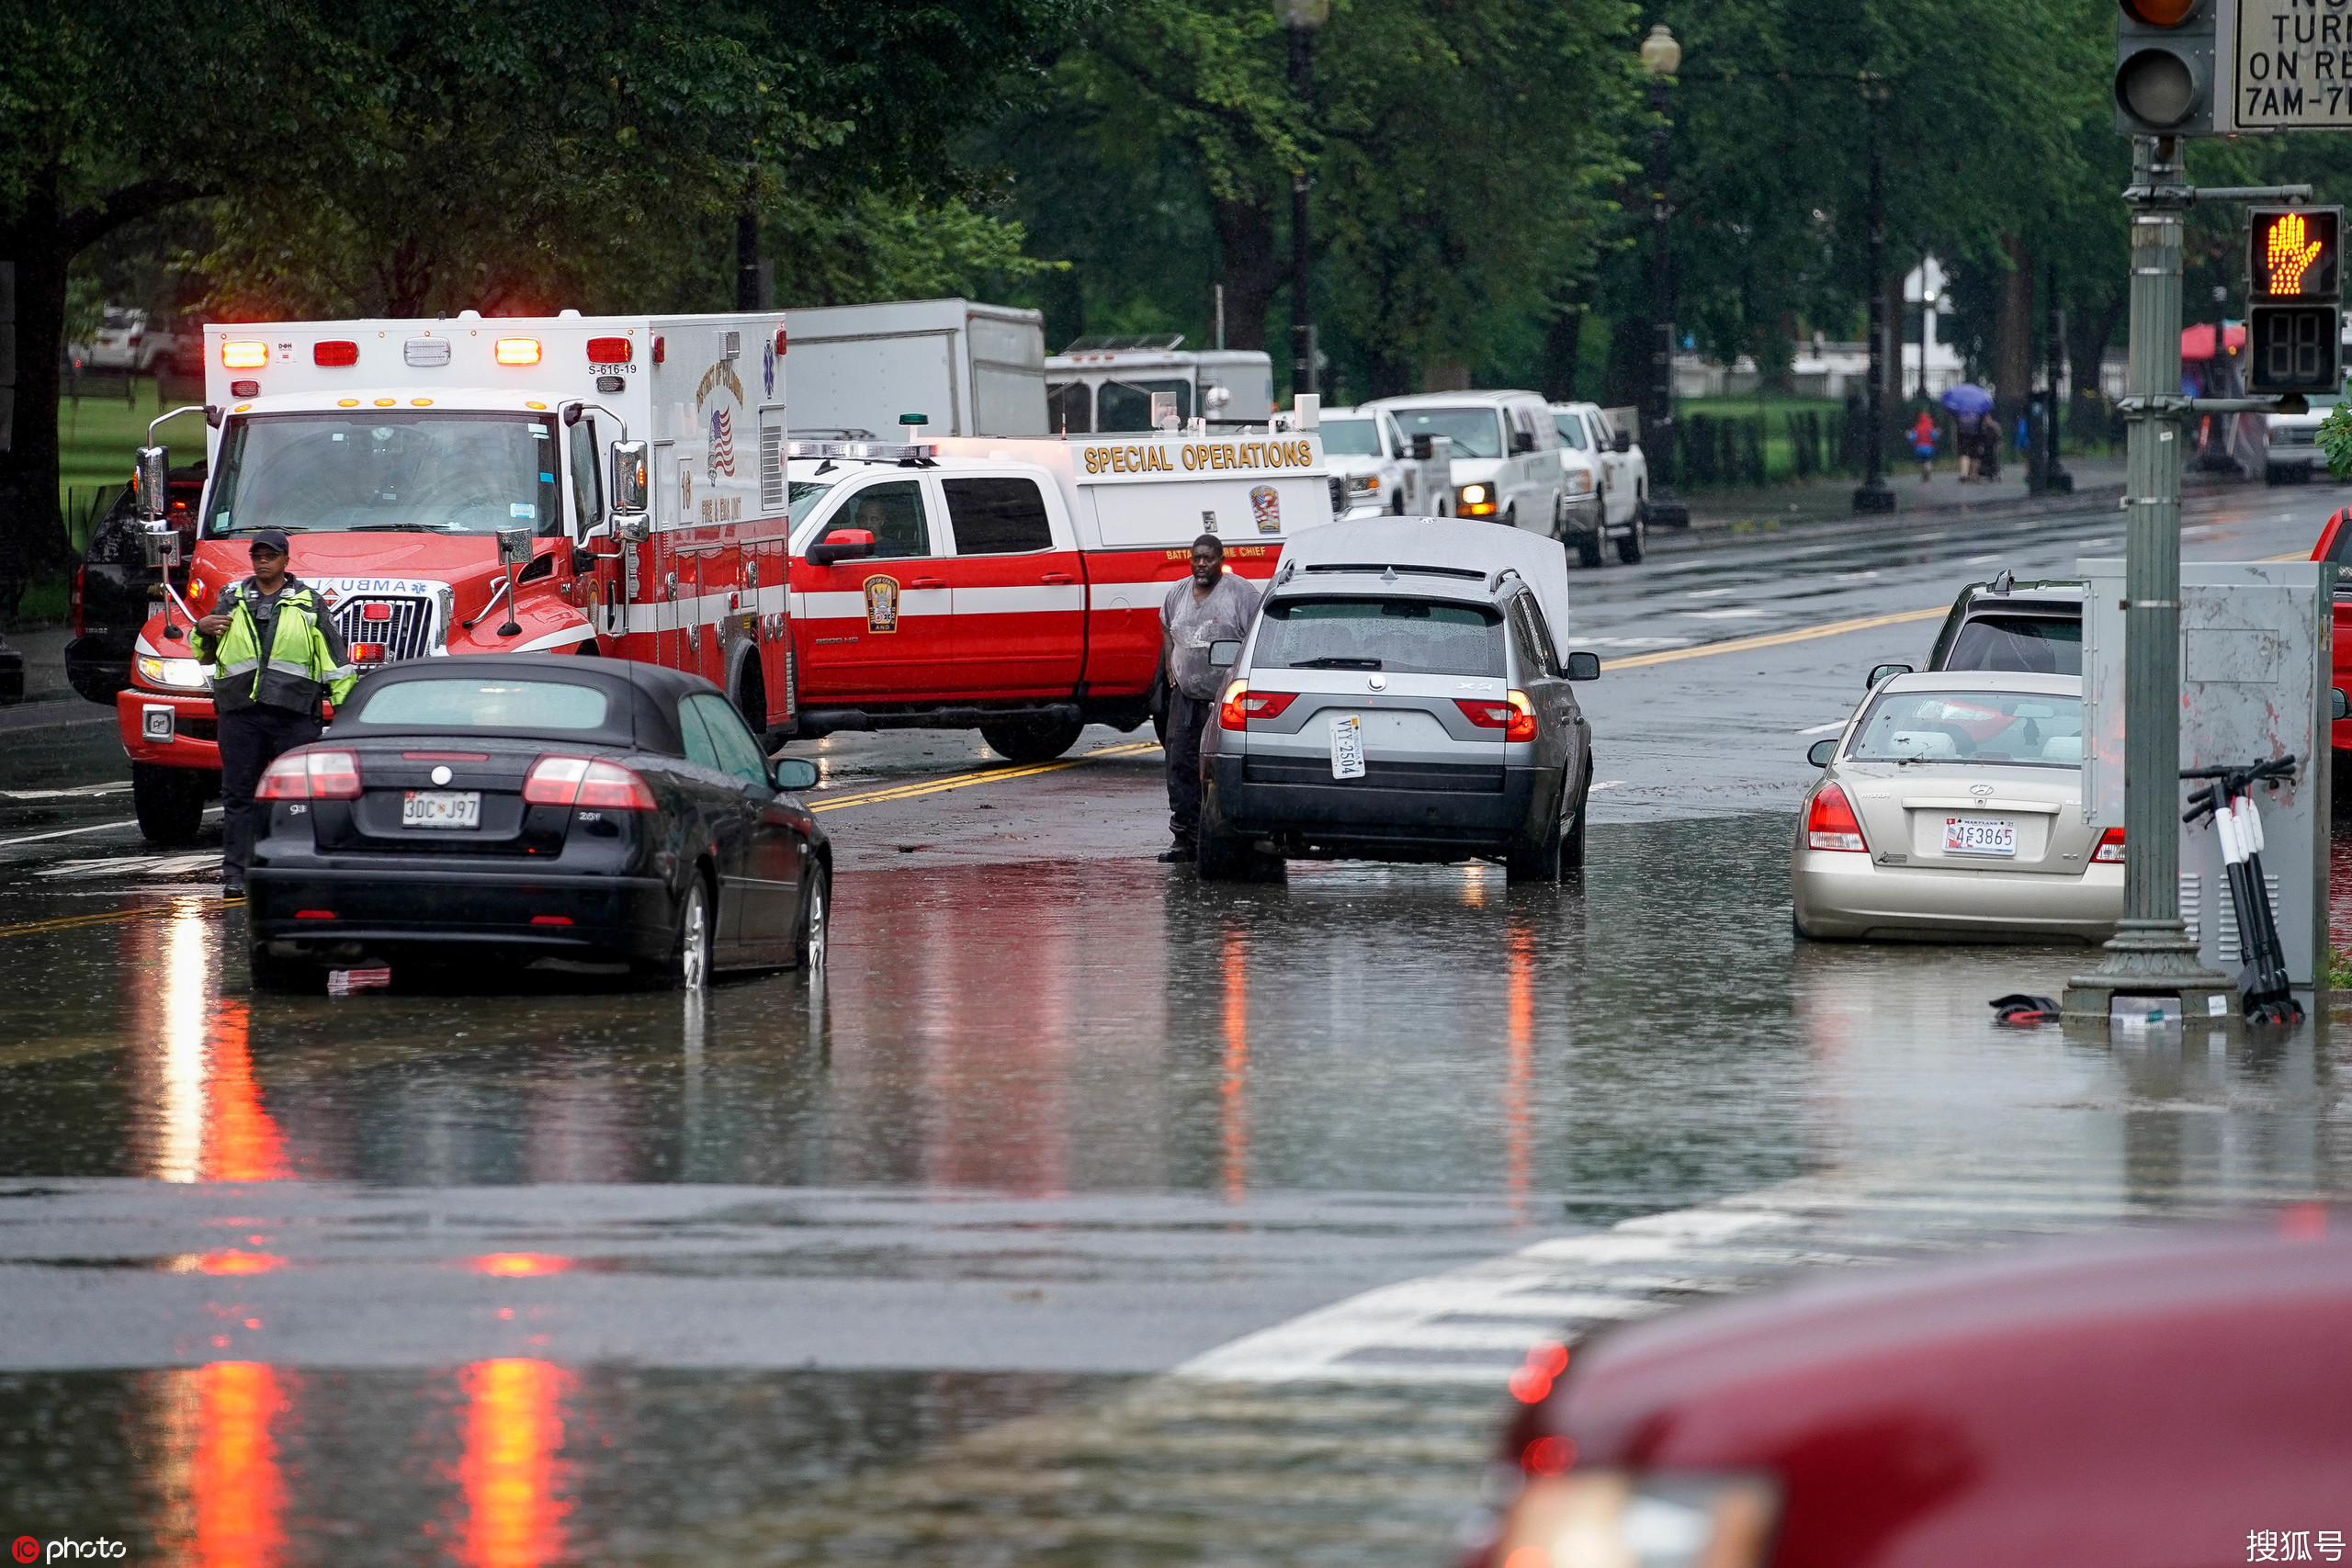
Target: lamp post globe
[1661, 56]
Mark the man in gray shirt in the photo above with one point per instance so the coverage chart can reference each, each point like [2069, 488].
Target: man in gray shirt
[1212, 605]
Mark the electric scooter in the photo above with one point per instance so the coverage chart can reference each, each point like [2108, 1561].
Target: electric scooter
[2264, 993]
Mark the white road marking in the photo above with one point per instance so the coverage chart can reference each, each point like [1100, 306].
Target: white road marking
[1633, 642]
[1709, 592]
[1605, 783]
[1983, 560]
[77, 792]
[1830, 729]
[129, 866]
[1720, 614]
[1853, 577]
[101, 828]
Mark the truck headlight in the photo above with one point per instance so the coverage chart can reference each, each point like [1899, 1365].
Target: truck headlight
[1476, 500]
[1605, 1518]
[1579, 482]
[178, 675]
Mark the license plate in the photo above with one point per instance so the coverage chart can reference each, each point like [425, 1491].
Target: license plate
[1347, 747]
[441, 808]
[1979, 836]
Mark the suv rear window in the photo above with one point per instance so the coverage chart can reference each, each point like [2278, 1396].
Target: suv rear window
[2031, 645]
[1419, 637]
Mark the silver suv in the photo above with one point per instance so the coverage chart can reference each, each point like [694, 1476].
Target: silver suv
[1401, 697]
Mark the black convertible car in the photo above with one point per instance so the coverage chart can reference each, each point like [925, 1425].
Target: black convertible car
[533, 805]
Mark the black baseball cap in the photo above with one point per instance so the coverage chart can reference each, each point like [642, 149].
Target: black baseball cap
[271, 539]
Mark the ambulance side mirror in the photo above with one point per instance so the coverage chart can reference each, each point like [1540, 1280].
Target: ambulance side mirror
[154, 484]
[630, 489]
[1224, 655]
[842, 544]
[514, 547]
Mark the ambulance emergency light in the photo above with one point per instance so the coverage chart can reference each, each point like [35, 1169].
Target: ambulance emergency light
[243, 353]
[518, 351]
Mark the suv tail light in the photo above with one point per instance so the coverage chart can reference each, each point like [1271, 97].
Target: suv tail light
[2110, 847]
[311, 775]
[1513, 715]
[1829, 822]
[584, 781]
[1242, 704]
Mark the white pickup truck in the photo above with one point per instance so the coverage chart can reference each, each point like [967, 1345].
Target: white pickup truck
[1385, 472]
[1604, 483]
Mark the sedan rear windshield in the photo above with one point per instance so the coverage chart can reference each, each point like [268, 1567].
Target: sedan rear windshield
[1972, 727]
[486, 704]
[1418, 636]
[1476, 432]
[2027, 645]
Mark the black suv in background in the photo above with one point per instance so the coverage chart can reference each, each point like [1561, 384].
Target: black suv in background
[112, 584]
[2033, 628]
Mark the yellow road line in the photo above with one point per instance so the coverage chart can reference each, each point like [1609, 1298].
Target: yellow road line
[916, 788]
[33, 927]
[1776, 639]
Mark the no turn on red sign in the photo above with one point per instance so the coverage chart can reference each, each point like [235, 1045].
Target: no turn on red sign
[2287, 66]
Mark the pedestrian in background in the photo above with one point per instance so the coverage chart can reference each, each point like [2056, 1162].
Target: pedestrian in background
[270, 653]
[1212, 605]
[1923, 445]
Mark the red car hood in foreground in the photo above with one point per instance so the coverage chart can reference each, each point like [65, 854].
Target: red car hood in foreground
[2150, 1399]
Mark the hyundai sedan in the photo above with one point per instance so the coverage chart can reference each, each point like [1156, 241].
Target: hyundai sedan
[527, 807]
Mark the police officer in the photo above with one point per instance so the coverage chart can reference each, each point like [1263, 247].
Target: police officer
[271, 653]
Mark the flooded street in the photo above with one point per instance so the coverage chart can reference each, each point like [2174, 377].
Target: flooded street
[1080, 1212]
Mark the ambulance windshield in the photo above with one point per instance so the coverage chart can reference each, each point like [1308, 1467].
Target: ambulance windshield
[401, 471]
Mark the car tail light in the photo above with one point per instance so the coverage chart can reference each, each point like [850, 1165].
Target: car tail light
[583, 781]
[311, 775]
[1242, 704]
[1512, 714]
[75, 604]
[1829, 822]
[2110, 847]
[518, 351]
[1600, 1516]
[551, 919]
[242, 353]
[335, 351]
[609, 351]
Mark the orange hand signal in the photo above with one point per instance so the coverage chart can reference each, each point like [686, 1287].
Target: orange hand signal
[2287, 253]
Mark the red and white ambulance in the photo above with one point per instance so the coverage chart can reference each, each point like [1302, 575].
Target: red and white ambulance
[610, 485]
[1014, 585]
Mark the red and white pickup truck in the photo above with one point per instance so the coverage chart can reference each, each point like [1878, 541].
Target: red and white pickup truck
[1013, 586]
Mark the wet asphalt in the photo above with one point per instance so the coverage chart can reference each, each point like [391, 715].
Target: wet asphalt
[1018, 1239]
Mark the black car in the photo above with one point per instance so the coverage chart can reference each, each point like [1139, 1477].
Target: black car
[112, 587]
[521, 807]
[2028, 628]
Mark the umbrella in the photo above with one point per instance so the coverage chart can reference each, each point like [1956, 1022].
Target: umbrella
[1968, 398]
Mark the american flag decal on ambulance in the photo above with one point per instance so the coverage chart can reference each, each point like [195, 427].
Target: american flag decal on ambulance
[722, 445]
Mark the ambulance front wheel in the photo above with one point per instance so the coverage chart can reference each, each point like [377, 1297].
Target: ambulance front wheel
[169, 801]
[1032, 742]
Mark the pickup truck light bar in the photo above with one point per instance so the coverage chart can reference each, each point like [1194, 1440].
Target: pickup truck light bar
[861, 451]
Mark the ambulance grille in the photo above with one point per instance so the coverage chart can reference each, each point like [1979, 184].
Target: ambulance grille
[771, 470]
[408, 635]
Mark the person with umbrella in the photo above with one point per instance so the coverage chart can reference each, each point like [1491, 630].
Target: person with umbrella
[1970, 404]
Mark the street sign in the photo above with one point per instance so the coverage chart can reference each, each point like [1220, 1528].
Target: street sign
[2164, 66]
[2286, 65]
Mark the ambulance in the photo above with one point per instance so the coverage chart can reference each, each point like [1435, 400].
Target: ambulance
[608, 486]
[1014, 586]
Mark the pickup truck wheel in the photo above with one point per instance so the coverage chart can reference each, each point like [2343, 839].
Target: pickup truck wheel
[1629, 546]
[169, 801]
[1032, 742]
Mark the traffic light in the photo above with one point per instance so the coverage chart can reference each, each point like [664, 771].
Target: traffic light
[2294, 278]
[2164, 67]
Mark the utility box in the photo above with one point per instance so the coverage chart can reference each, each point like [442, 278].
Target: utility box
[2254, 667]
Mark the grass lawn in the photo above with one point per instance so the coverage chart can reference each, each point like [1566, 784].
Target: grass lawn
[99, 435]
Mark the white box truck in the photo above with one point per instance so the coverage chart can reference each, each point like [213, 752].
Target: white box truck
[969, 369]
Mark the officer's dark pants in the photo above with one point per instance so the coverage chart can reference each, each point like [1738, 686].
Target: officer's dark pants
[1187, 716]
[251, 739]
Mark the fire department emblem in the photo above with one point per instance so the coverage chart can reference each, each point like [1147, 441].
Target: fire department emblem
[881, 604]
[1267, 508]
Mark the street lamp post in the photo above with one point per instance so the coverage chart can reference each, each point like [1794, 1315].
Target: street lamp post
[1661, 57]
[1874, 494]
[1302, 18]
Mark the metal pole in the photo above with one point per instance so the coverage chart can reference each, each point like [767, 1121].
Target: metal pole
[2151, 953]
[1302, 328]
[746, 260]
[1663, 511]
[1874, 494]
[2055, 476]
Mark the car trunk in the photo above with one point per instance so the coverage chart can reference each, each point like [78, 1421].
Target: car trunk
[396, 811]
[1962, 817]
[1413, 734]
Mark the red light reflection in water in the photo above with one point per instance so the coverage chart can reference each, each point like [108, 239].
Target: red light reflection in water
[517, 1264]
[241, 1142]
[510, 1476]
[1233, 1087]
[1518, 948]
[203, 1115]
[232, 1481]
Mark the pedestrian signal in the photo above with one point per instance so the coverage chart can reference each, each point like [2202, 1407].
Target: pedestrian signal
[2164, 67]
[2294, 254]
[2295, 348]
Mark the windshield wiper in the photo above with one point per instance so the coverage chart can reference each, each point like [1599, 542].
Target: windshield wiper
[399, 528]
[1337, 661]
